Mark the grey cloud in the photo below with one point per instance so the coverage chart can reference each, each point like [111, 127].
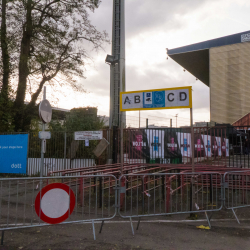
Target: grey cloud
[155, 79]
[141, 16]
[146, 15]
[102, 17]
[158, 76]
[99, 83]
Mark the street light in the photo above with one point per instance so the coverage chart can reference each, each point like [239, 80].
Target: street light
[111, 59]
[176, 119]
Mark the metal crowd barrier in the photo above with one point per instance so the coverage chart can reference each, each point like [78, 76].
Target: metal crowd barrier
[236, 190]
[157, 194]
[134, 195]
[95, 200]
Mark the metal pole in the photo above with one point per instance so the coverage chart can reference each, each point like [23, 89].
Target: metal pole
[170, 123]
[139, 119]
[65, 145]
[121, 151]
[42, 141]
[2, 238]
[146, 122]
[192, 138]
[192, 194]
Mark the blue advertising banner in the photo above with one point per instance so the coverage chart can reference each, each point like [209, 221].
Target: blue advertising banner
[13, 153]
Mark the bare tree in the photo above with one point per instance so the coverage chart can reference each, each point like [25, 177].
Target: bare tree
[53, 37]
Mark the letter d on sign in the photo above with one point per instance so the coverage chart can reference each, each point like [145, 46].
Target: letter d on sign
[183, 96]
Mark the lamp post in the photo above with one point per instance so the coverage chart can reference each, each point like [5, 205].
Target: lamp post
[176, 119]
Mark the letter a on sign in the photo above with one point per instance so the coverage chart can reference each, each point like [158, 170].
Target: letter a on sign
[127, 100]
[132, 101]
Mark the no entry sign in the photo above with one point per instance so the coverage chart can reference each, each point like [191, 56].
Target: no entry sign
[54, 203]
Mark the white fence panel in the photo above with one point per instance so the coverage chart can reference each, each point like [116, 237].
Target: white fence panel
[54, 164]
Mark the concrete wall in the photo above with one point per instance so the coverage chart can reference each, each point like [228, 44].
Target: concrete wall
[229, 82]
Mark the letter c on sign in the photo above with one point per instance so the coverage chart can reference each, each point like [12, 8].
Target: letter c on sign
[170, 100]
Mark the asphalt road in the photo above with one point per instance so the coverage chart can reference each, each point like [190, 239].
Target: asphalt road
[224, 235]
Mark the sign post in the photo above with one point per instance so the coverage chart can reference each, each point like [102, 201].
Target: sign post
[45, 113]
[192, 138]
[192, 155]
[170, 98]
[43, 141]
[121, 148]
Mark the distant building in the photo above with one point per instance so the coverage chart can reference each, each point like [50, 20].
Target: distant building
[60, 114]
[155, 126]
[243, 121]
[201, 124]
[223, 64]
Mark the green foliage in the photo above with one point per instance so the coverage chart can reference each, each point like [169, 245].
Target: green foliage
[6, 114]
[80, 119]
[35, 125]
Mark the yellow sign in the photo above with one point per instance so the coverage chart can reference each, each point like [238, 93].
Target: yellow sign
[171, 98]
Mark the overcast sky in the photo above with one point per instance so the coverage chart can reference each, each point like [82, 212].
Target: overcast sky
[151, 27]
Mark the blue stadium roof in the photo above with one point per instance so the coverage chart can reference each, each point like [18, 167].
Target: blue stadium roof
[195, 57]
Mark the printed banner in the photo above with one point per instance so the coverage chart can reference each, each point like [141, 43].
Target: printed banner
[214, 146]
[207, 145]
[225, 147]
[218, 140]
[138, 148]
[156, 143]
[13, 153]
[184, 140]
[172, 149]
[199, 149]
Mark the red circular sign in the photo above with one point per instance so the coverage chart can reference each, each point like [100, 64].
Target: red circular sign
[54, 203]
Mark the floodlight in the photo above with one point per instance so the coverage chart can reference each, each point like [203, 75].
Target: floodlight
[109, 59]
[112, 59]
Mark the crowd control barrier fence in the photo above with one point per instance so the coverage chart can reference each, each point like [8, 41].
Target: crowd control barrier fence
[30, 202]
[236, 190]
[40, 201]
[169, 193]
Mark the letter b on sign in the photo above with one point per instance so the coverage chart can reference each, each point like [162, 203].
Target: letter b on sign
[137, 99]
